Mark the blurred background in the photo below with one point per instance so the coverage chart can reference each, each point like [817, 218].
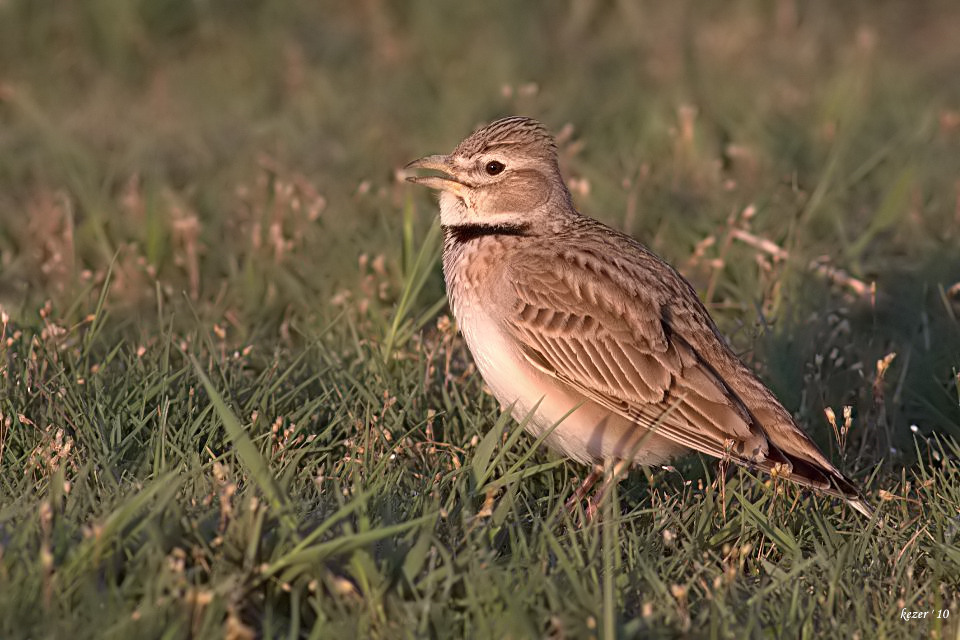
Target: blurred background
[232, 400]
[237, 162]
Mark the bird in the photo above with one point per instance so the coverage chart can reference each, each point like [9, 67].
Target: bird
[579, 330]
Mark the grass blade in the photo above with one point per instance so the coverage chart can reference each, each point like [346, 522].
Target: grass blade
[249, 455]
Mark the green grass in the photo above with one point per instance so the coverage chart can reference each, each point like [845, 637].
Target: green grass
[232, 401]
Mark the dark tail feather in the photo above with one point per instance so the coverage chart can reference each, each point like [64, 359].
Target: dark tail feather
[828, 480]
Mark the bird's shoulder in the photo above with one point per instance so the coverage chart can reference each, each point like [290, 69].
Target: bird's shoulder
[591, 269]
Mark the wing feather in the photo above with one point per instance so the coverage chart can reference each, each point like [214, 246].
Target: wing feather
[607, 328]
[624, 355]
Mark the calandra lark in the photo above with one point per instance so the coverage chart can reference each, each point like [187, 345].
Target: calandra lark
[588, 331]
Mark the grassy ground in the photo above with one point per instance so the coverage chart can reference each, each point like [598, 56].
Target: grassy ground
[232, 402]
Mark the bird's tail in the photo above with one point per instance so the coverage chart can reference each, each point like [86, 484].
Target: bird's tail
[821, 476]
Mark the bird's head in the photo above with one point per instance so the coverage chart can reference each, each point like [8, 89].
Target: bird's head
[503, 174]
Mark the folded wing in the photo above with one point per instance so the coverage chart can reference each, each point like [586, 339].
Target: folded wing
[601, 326]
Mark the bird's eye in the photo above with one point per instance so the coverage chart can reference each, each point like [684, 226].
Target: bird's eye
[494, 167]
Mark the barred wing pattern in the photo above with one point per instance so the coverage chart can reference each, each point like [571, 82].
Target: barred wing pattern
[602, 327]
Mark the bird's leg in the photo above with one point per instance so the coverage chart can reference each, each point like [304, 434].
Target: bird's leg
[584, 487]
[722, 475]
[615, 475]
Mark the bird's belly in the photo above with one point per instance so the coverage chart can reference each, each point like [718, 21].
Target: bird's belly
[578, 427]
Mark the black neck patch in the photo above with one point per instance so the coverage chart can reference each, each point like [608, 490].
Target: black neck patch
[461, 233]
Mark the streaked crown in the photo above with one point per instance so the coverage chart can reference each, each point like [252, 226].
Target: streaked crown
[524, 135]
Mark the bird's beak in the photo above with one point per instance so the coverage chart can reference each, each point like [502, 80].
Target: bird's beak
[443, 183]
